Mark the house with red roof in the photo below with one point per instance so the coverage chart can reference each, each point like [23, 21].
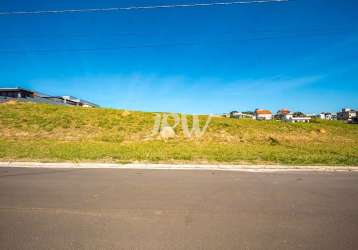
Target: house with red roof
[263, 114]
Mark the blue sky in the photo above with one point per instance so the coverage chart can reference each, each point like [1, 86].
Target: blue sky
[300, 54]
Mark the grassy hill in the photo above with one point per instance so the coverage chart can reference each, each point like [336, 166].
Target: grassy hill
[40, 132]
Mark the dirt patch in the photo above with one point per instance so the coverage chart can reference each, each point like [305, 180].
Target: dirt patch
[10, 102]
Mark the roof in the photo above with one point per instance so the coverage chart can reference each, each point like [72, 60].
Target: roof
[283, 111]
[16, 89]
[78, 100]
[72, 99]
[263, 112]
[41, 95]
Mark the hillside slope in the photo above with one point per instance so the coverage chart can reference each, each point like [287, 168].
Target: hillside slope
[40, 132]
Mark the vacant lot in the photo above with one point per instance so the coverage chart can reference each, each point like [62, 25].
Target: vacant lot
[40, 132]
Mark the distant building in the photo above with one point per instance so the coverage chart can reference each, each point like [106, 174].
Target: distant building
[248, 116]
[354, 120]
[280, 115]
[283, 111]
[71, 100]
[326, 116]
[347, 114]
[262, 114]
[287, 116]
[16, 93]
[235, 114]
[240, 115]
[291, 118]
[26, 95]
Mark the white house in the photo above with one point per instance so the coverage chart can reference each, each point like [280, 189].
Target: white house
[325, 116]
[280, 115]
[347, 114]
[235, 114]
[262, 114]
[239, 115]
[291, 118]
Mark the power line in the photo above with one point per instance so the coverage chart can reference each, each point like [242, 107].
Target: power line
[140, 7]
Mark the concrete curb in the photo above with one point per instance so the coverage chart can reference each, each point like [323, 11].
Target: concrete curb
[243, 168]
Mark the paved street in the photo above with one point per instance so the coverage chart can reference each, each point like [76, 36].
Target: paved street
[177, 209]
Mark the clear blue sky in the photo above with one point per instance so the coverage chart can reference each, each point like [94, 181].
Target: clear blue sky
[300, 55]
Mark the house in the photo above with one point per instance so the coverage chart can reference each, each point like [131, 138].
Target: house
[347, 114]
[326, 116]
[240, 115]
[247, 115]
[16, 93]
[235, 114]
[26, 95]
[354, 120]
[280, 115]
[71, 100]
[302, 119]
[283, 112]
[262, 114]
[287, 116]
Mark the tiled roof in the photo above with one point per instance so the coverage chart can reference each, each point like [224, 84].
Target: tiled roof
[263, 112]
[283, 111]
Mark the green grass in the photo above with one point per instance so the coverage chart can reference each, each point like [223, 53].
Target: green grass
[40, 132]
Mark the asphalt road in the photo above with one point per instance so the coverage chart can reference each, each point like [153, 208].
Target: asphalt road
[177, 209]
